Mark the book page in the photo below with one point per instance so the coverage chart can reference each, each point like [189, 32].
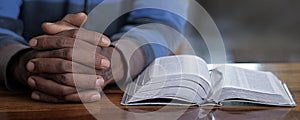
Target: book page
[250, 80]
[240, 84]
[180, 65]
[181, 77]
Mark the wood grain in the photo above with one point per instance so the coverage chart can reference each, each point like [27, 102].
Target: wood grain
[18, 105]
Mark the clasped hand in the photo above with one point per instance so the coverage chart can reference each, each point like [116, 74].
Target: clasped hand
[53, 67]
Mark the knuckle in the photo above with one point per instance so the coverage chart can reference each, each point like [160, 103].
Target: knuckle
[99, 50]
[67, 53]
[98, 59]
[97, 36]
[38, 66]
[39, 86]
[62, 78]
[106, 75]
[65, 42]
[73, 33]
[63, 91]
[66, 66]
[42, 41]
[66, 79]
[66, 90]
[58, 53]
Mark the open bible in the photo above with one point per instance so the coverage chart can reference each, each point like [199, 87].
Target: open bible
[186, 80]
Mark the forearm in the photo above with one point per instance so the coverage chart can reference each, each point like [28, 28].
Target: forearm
[127, 61]
[9, 47]
[11, 41]
[155, 40]
[133, 57]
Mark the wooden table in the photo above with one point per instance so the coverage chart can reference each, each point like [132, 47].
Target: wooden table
[19, 105]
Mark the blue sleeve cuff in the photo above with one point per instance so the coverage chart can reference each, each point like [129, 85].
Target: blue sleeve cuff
[11, 33]
[156, 40]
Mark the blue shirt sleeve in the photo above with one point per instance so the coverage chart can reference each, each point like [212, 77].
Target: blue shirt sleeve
[11, 41]
[9, 13]
[160, 41]
[10, 8]
[165, 17]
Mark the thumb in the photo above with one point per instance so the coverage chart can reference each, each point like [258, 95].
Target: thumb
[75, 19]
[70, 21]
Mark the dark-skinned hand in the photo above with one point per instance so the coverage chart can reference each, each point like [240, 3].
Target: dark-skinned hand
[49, 70]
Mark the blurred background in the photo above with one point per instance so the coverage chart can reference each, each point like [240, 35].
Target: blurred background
[252, 30]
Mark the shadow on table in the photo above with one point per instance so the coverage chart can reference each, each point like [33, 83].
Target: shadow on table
[231, 114]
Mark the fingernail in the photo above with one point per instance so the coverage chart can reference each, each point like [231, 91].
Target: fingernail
[95, 97]
[105, 41]
[31, 82]
[35, 96]
[30, 66]
[33, 42]
[105, 63]
[99, 82]
[81, 13]
[49, 23]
